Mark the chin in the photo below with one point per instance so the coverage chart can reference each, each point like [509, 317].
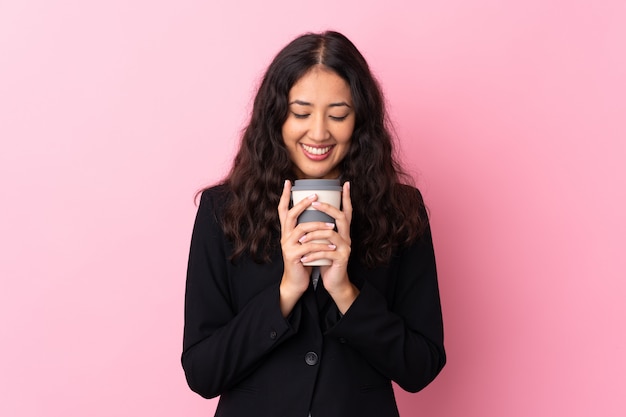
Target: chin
[319, 174]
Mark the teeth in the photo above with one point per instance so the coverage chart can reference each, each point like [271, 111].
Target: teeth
[316, 151]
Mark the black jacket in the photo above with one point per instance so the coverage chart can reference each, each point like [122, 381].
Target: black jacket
[237, 344]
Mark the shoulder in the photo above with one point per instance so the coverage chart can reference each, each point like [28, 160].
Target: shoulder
[411, 198]
[213, 193]
[408, 190]
[212, 202]
[214, 196]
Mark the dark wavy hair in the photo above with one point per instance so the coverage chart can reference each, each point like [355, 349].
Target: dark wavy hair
[387, 212]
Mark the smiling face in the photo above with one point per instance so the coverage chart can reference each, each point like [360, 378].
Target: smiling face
[319, 125]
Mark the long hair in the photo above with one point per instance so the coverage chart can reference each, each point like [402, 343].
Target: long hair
[388, 213]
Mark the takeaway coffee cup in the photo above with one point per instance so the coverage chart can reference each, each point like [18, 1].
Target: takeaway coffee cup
[327, 191]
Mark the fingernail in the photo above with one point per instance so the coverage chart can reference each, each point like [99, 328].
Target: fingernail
[332, 246]
[330, 224]
[315, 203]
[285, 183]
[303, 259]
[302, 239]
[312, 196]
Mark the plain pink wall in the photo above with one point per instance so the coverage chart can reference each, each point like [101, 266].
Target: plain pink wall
[510, 114]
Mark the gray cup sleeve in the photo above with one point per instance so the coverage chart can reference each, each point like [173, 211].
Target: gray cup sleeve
[315, 216]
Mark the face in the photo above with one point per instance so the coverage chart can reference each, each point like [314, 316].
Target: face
[320, 123]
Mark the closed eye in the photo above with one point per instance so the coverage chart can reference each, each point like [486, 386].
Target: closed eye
[339, 118]
[299, 116]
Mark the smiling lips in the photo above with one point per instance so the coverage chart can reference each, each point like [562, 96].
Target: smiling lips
[316, 153]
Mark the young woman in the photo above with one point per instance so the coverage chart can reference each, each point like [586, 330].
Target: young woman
[275, 338]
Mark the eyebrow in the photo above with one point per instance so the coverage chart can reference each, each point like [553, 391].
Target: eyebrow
[306, 103]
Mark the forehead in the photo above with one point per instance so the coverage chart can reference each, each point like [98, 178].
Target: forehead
[320, 84]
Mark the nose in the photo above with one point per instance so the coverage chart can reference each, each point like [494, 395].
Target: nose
[318, 131]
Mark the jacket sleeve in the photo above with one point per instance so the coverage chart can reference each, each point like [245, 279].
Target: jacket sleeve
[221, 346]
[400, 330]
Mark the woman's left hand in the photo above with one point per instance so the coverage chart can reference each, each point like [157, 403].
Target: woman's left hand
[335, 276]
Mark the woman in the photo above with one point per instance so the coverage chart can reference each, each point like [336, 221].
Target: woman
[276, 338]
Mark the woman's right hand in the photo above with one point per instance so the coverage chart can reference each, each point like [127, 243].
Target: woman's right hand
[296, 276]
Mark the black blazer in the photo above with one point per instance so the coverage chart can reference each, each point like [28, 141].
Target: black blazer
[238, 345]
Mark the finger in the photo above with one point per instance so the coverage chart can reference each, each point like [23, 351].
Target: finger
[295, 253]
[308, 227]
[339, 255]
[346, 201]
[329, 253]
[291, 218]
[322, 242]
[329, 209]
[283, 204]
[327, 234]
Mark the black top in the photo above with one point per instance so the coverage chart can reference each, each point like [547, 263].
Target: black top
[238, 345]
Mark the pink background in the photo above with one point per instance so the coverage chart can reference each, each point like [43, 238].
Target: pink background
[511, 115]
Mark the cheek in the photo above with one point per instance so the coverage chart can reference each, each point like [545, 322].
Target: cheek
[289, 133]
[285, 133]
[346, 133]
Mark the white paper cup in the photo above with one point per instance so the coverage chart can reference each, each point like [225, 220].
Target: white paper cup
[327, 191]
